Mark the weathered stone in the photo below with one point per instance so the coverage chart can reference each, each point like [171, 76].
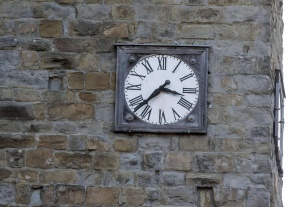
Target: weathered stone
[38, 127]
[180, 196]
[48, 194]
[258, 197]
[102, 196]
[4, 173]
[77, 143]
[7, 194]
[93, 12]
[23, 193]
[172, 179]
[196, 14]
[16, 141]
[39, 158]
[203, 179]
[70, 112]
[28, 28]
[37, 45]
[130, 161]
[145, 29]
[146, 179]
[115, 30]
[9, 60]
[153, 161]
[89, 178]
[56, 96]
[194, 144]
[58, 177]
[154, 143]
[125, 145]
[166, 30]
[72, 160]
[97, 81]
[2, 158]
[6, 28]
[180, 161]
[95, 143]
[11, 110]
[55, 11]
[123, 12]
[74, 45]
[76, 80]
[238, 32]
[192, 31]
[51, 29]
[27, 176]
[212, 163]
[134, 196]
[85, 28]
[121, 178]
[10, 126]
[253, 164]
[87, 96]
[104, 44]
[58, 142]
[88, 61]
[12, 10]
[106, 161]
[15, 158]
[30, 59]
[70, 194]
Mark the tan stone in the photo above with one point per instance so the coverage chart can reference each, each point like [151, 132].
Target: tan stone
[228, 100]
[102, 196]
[70, 194]
[88, 62]
[27, 27]
[75, 80]
[135, 196]
[30, 59]
[39, 158]
[125, 145]
[123, 12]
[4, 173]
[116, 30]
[48, 194]
[93, 143]
[58, 142]
[106, 161]
[180, 161]
[70, 111]
[72, 160]
[58, 177]
[40, 111]
[203, 179]
[87, 96]
[194, 144]
[51, 28]
[27, 176]
[16, 141]
[97, 80]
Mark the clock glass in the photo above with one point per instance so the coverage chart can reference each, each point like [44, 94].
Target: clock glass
[161, 89]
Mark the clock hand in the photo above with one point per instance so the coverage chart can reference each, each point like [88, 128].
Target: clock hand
[171, 91]
[153, 94]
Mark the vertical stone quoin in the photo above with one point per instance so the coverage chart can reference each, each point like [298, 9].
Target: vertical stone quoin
[57, 95]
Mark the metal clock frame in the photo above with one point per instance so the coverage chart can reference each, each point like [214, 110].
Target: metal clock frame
[195, 56]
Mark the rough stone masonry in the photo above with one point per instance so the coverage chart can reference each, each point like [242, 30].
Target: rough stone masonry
[57, 84]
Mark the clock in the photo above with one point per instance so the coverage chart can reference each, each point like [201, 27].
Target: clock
[161, 89]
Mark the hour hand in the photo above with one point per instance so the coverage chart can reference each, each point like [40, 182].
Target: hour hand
[171, 91]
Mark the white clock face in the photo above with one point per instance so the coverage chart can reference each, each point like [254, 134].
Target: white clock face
[161, 89]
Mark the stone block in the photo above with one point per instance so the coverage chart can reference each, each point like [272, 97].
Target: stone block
[75, 80]
[13, 10]
[123, 12]
[58, 142]
[36, 45]
[99, 196]
[85, 28]
[133, 196]
[70, 112]
[179, 161]
[146, 179]
[48, 194]
[194, 144]
[77, 143]
[27, 176]
[2, 158]
[120, 178]
[130, 161]
[39, 158]
[228, 100]
[70, 194]
[15, 158]
[154, 196]
[172, 179]
[213, 163]
[74, 45]
[9, 60]
[55, 96]
[196, 14]
[253, 164]
[154, 12]
[95, 143]
[125, 145]
[180, 196]
[54, 11]
[247, 32]
[166, 30]
[104, 44]
[192, 31]
[87, 96]
[152, 143]
[7, 194]
[97, 12]
[153, 161]
[72, 160]
[88, 61]
[203, 179]
[97, 81]
[4, 173]
[197, 2]
[28, 28]
[38, 127]
[30, 60]
[111, 30]
[51, 28]
[16, 111]
[68, 177]
[259, 198]
[23, 192]
[6, 28]
[16, 141]
[106, 161]
[57, 61]
[90, 178]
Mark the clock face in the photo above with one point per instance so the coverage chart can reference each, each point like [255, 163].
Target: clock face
[161, 89]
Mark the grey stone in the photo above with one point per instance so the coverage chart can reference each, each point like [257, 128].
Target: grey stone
[7, 194]
[85, 28]
[258, 198]
[12, 10]
[16, 111]
[35, 199]
[89, 178]
[253, 164]
[55, 11]
[120, 178]
[36, 45]
[153, 161]
[8, 42]
[96, 12]
[130, 161]
[4, 173]
[77, 142]
[172, 179]
[15, 158]
[180, 196]
[146, 179]
[9, 60]
[154, 144]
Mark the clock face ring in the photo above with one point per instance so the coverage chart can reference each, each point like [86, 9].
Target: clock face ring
[161, 89]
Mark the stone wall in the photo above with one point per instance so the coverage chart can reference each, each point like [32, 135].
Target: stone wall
[57, 83]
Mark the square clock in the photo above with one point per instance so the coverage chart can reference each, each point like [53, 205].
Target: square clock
[161, 89]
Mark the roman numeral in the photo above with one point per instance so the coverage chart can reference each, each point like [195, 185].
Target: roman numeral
[147, 65]
[136, 100]
[186, 77]
[147, 111]
[133, 73]
[176, 67]
[162, 117]
[185, 103]
[162, 63]
[189, 90]
[176, 115]
[134, 87]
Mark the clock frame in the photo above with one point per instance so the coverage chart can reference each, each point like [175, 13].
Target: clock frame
[195, 57]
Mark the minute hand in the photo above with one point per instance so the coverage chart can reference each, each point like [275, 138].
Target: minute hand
[171, 91]
[153, 94]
